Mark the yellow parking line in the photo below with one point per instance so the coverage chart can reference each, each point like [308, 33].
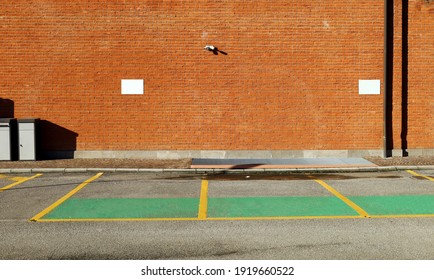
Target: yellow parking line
[197, 219]
[235, 218]
[419, 175]
[357, 208]
[403, 216]
[284, 218]
[203, 201]
[17, 178]
[64, 198]
[19, 181]
[117, 220]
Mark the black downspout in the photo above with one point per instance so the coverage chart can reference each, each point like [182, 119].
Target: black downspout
[404, 104]
[388, 77]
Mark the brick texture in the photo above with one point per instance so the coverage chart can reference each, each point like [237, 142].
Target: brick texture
[421, 76]
[289, 80]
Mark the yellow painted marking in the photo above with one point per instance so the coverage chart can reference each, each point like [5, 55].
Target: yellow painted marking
[197, 219]
[64, 198]
[117, 219]
[3, 176]
[284, 218]
[20, 181]
[404, 216]
[420, 175]
[203, 201]
[17, 178]
[357, 208]
[235, 218]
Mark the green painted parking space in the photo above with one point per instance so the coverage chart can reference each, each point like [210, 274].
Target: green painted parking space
[236, 207]
[277, 207]
[118, 208]
[396, 205]
[226, 202]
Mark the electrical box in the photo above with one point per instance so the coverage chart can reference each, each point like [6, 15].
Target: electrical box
[8, 139]
[27, 139]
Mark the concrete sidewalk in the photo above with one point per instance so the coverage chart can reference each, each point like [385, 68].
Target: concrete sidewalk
[299, 166]
[188, 165]
[292, 163]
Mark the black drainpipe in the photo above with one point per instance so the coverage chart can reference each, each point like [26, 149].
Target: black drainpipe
[388, 77]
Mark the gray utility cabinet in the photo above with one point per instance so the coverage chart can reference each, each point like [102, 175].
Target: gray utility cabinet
[27, 139]
[8, 139]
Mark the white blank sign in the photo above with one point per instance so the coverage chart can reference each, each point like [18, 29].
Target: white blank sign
[369, 86]
[131, 86]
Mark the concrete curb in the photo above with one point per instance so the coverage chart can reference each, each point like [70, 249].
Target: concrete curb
[217, 170]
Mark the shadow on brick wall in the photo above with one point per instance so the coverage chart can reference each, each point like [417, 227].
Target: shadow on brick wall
[6, 108]
[56, 142]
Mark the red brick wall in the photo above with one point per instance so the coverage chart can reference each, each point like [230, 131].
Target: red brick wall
[289, 81]
[421, 74]
[397, 112]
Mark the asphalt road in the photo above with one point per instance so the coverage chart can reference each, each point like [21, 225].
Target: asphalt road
[405, 236]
